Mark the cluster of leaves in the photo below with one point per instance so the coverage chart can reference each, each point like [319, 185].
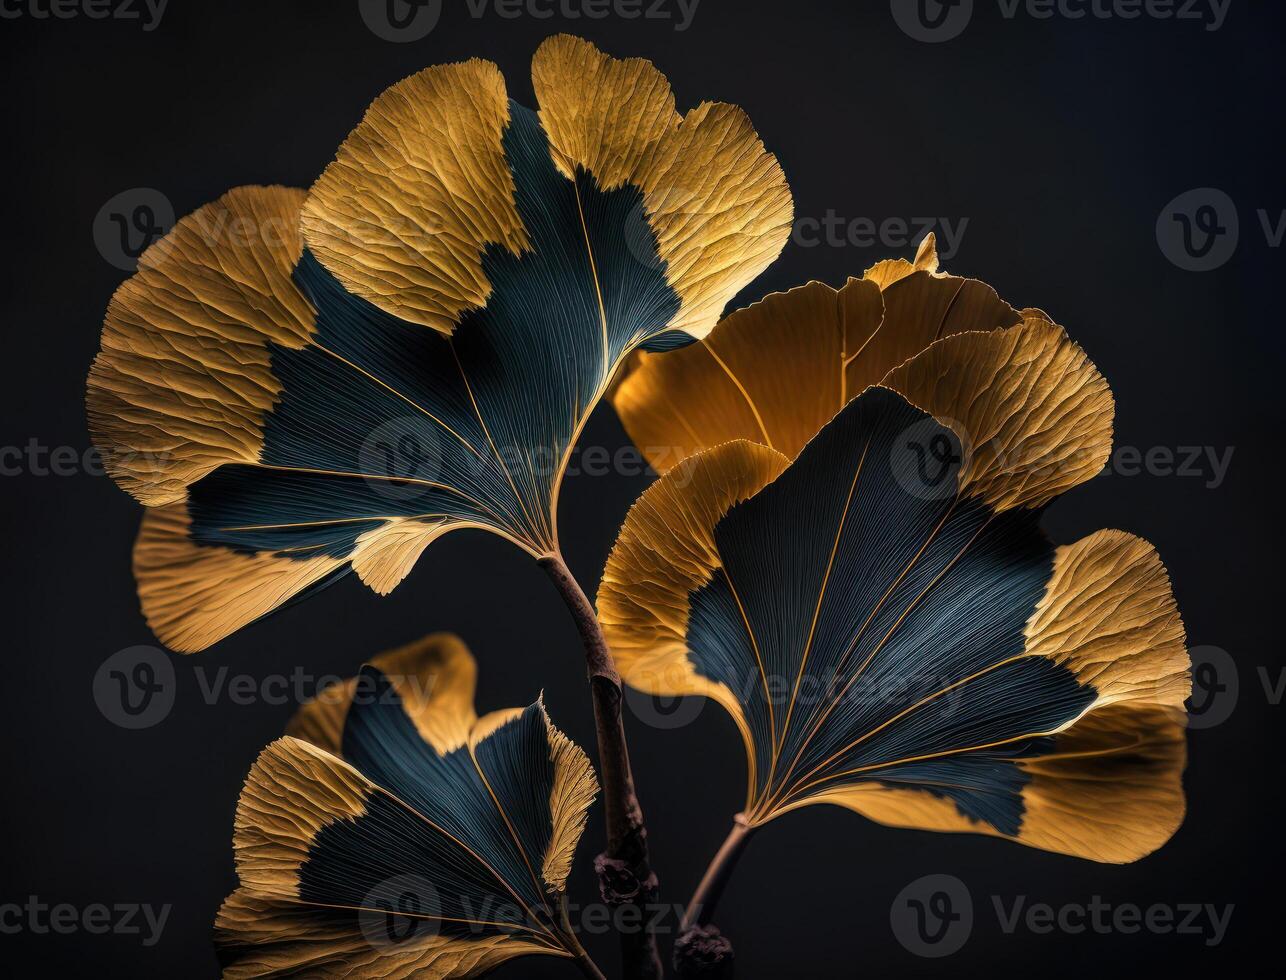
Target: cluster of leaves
[843, 549]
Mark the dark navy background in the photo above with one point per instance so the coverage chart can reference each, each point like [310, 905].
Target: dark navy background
[1060, 140]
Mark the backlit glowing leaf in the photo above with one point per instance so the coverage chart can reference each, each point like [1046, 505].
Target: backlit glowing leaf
[426, 841]
[300, 385]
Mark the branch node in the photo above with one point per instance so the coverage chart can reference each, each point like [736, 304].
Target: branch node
[704, 952]
[621, 882]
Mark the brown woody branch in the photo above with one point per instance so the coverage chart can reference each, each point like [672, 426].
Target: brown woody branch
[624, 874]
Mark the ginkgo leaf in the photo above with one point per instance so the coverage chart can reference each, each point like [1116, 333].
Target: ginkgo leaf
[777, 371]
[427, 842]
[891, 630]
[435, 678]
[300, 385]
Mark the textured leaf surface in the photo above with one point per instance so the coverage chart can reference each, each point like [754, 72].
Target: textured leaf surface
[419, 348]
[415, 851]
[777, 371]
[892, 631]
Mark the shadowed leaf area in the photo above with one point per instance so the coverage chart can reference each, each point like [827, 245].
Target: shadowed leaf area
[883, 616]
[428, 839]
[303, 385]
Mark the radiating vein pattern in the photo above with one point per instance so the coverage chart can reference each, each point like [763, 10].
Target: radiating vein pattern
[303, 385]
[482, 418]
[891, 629]
[397, 851]
[777, 371]
[933, 602]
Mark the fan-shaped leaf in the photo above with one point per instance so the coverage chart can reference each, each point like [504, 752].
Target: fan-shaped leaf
[777, 371]
[435, 843]
[414, 345]
[891, 630]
